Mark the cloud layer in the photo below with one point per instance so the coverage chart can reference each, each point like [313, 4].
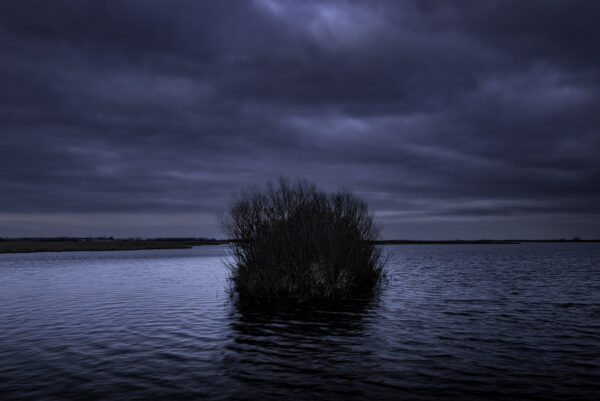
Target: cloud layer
[452, 119]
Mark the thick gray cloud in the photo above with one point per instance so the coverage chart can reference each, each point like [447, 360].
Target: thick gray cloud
[462, 119]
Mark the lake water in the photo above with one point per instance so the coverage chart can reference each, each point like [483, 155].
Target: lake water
[468, 321]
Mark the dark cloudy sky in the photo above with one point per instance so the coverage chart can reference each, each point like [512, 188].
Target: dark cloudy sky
[469, 119]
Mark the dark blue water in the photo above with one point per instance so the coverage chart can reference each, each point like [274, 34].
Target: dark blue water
[469, 322]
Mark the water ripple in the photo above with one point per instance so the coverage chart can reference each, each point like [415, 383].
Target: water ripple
[467, 322]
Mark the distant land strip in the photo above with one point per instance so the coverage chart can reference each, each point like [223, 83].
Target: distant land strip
[24, 245]
[476, 242]
[68, 244]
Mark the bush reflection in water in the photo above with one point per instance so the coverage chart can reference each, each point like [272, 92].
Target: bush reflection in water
[290, 351]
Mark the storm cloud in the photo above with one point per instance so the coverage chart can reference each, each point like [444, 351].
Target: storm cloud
[470, 119]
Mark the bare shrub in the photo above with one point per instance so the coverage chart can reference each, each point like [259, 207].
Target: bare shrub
[294, 242]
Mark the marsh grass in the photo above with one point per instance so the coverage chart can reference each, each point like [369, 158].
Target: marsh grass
[294, 243]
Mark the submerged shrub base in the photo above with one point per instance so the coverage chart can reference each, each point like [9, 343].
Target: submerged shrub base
[296, 244]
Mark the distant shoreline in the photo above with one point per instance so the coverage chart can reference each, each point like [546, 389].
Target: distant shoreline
[68, 244]
[29, 245]
[479, 242]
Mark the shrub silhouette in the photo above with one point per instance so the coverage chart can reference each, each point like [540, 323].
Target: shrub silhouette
[294, 242]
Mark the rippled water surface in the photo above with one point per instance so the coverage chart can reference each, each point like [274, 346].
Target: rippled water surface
[468, 321]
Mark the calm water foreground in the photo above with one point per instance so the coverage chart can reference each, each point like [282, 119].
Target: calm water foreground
[469, 322]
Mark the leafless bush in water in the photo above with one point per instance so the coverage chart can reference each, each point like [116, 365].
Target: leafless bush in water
[294, 242]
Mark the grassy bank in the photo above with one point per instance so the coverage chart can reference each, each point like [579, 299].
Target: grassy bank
[24, 245]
